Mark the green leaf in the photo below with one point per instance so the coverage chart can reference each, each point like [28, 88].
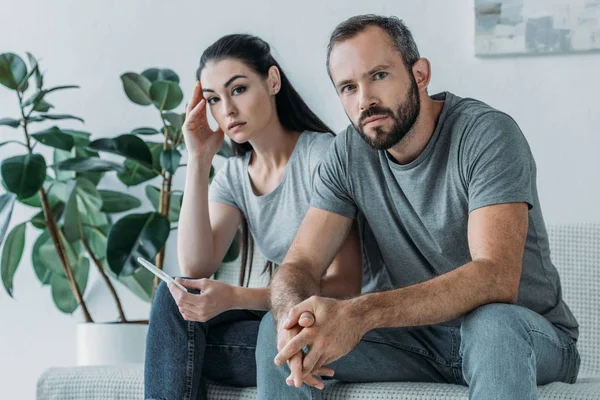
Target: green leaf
[226, 150]
[39, 221]
[43, 106]
[175, 120]
[97, 240]
[81, 138]
[41, 271]
[43, 117]
[234, 249]
[136, 235]
[136, 173]
[35, 98]
[115, 202]
[62, 293]
[7, 203]
[166, 95]
[144, 131]
[137, 88]
[155, 74]
[141, 283]
[51, 260]
[14, 123]
[153, 194]
[129, 146]
[54, 137]
[12, 70]
[24, 175]
[11, 255]
[169, 160]
[83, 208]
[88, 164]
[34, 65]
[54, 89]
[55, 190]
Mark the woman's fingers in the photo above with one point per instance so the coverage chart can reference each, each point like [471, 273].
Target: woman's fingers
[196, 96]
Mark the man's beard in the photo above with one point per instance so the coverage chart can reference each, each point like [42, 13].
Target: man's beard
[405, 117]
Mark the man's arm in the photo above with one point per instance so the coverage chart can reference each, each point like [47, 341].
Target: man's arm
[343, 278]
[496, 237]
[317, 242]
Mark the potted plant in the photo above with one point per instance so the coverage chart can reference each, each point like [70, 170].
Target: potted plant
[75, 220]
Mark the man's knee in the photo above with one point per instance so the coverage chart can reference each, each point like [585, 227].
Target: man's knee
[267, 334]
[494, 327]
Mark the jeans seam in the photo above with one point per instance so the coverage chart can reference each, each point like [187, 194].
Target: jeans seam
[550, 339]
[411, 349]
[189, 378]
[233, 346]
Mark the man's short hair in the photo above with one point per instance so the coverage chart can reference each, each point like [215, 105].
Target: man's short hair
[399, 33]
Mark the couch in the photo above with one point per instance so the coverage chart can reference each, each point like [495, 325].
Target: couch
[576, 253]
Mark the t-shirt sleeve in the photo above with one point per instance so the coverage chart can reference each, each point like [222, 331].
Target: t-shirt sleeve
[220, 190]
[331, 191]
[316, 154]
[498, 163]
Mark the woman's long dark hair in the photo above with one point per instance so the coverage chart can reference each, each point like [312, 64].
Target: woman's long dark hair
[292, 111]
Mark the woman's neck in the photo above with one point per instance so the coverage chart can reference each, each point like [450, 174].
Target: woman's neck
[273, 148]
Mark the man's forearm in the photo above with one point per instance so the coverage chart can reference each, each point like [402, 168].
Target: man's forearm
[291, 285]
[441, 299]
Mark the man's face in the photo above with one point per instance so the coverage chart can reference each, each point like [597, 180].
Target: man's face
[379, 95]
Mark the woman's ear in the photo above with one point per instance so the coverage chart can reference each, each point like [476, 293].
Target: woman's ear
[274, 80]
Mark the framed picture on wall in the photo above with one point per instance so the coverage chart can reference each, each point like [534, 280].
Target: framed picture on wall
[514, 27]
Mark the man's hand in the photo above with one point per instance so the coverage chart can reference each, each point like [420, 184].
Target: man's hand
[295, 362]
[335, 332]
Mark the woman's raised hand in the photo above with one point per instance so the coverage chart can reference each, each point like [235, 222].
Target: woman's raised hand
[200, 139]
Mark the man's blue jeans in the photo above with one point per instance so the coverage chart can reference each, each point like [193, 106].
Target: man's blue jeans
[180, 354]
[500, 351]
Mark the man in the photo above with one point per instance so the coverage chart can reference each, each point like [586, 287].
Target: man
[448, 187]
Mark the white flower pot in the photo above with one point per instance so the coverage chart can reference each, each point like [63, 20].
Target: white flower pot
[111, 343]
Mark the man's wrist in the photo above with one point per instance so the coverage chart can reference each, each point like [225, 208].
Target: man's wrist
[359, 311]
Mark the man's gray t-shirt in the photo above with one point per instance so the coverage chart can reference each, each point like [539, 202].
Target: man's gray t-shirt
[274, 218]
[418, 213]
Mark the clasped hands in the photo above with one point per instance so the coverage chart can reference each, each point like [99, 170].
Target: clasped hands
[328, 328]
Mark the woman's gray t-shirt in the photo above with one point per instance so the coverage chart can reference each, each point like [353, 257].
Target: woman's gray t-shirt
[273, 218]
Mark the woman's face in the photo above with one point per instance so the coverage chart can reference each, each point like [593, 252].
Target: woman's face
[241, 101]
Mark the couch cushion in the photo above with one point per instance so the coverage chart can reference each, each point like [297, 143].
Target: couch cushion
[575, 250]
[127, 383]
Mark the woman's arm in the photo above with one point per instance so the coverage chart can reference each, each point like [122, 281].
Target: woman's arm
[206, 230]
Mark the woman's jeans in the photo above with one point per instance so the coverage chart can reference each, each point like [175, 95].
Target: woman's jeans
[180, 354]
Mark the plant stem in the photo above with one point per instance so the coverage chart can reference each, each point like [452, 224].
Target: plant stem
[58, 245]
[113, 292]
[54, 233]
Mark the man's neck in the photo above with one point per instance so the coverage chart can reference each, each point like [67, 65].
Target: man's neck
[415, 141]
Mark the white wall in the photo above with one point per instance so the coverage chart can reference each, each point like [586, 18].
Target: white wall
[92, 43]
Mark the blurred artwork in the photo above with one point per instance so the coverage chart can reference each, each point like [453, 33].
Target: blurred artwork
[536, 26]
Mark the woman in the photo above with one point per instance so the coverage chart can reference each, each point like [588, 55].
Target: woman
[266, 189]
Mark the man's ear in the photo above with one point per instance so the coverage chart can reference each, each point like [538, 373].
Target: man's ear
[421, 70]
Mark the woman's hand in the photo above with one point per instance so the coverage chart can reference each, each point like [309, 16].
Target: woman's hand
[215, 297]
[200, 139]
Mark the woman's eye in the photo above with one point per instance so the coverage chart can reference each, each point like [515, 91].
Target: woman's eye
[238, 90]
[380, 75]
[212, 100]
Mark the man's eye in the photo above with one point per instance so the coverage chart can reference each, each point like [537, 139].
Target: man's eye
[347, 88]
[380, 75]
[238, 90]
